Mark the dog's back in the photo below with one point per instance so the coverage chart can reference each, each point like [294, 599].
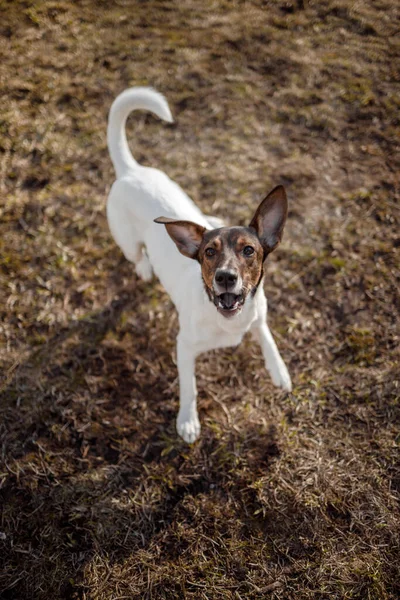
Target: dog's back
[141, 194]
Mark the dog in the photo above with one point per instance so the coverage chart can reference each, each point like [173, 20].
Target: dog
[213, 274]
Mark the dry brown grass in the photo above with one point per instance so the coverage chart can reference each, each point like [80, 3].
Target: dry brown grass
[284, 497]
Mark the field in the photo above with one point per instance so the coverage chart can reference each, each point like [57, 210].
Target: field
[285, 496]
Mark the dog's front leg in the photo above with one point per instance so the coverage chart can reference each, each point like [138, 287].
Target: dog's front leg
[273, 360]
[188, 424]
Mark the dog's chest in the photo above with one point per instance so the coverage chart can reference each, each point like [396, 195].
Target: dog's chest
[218, 332]
[211, 339]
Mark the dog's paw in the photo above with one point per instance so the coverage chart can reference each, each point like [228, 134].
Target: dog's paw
[143, 269]
[188, 428]
[281, 378]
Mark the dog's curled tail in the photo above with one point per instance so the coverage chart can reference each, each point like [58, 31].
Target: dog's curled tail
[131, 99]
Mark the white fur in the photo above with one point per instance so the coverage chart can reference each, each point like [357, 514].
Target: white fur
[138, 196]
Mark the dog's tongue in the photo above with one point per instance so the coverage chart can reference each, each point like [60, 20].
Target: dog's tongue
[229, 300]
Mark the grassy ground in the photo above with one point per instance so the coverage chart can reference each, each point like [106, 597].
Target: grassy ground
[284, 496]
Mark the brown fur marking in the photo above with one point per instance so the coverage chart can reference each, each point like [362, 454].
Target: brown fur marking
[229, 243]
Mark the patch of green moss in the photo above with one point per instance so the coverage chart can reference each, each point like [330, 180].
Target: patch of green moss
[361, 343]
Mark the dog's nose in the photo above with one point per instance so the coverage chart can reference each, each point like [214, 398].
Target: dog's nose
[226, 279]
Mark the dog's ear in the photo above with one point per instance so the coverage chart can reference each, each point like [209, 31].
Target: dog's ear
[269, 219]
[186, 235]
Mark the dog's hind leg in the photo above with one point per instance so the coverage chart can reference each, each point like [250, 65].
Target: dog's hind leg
[127, 239]
[137, 254]
[143, 266]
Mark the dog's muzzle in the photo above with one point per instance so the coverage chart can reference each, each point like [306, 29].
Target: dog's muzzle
[228, 293]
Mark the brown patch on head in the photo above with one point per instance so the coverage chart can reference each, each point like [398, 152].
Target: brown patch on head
[233, 249]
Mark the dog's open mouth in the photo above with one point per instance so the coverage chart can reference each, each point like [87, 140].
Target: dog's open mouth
[229, 304]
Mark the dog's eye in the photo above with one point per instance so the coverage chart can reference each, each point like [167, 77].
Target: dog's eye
[248, 250]
[210, 252]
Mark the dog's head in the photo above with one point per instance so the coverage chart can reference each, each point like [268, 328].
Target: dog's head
[231, 258]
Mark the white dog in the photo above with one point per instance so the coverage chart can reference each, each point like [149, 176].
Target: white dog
[214, 276]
